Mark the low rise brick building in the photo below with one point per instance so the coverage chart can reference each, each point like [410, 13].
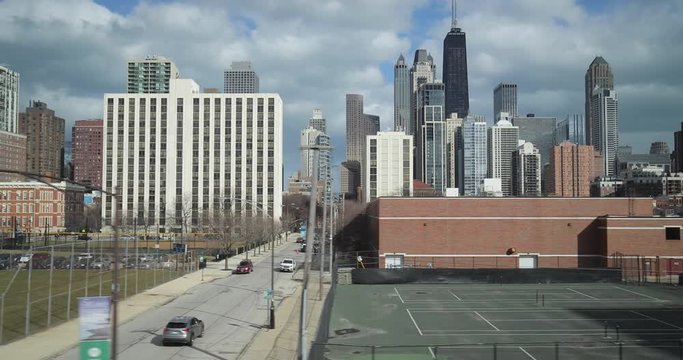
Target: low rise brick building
[35, 207]
[519, 232]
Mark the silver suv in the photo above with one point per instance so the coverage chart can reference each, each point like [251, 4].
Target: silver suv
[183, 329]
[288, 265]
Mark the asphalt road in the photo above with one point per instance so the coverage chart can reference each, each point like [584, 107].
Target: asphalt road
[233, 310]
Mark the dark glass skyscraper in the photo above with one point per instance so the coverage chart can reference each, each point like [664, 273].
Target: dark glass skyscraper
[455, 70]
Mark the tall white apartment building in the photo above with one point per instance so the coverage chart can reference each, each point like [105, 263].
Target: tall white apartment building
[503, 139]
[9, 99]
[526, 169]
[605, 126]
[389, 165]
[151, 75]
[240, 79]
[174, 159]
[472, 155]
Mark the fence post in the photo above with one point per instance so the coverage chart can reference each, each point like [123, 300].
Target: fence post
[49, 286]
[71, 274]
[101, 267]
[372, 352]
[27, 327]
[495, 351]
[557, 351]
[2, 315]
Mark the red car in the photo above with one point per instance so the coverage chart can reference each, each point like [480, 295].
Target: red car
[245, 267]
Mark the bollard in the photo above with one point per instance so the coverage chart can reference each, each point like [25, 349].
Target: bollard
[605, 323]
[372, 355]
[536, 296]
[495, 351]
[621, 351]
[557, 351]
[543, 300]
[617, 327]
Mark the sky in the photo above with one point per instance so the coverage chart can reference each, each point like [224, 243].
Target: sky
[313, 52]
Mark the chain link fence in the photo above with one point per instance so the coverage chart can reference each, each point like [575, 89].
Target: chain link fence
[40, 286]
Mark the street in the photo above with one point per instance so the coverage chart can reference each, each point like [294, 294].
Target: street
[233, 310]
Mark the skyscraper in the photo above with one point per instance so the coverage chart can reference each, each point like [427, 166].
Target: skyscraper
[240, 79]
[677, 165]
[598, 74]
[455, 69]
[9, 99]
[526, 171]
[505, 99]
[86, 152]
[358, 127]
[151, 75]
[422, 72]
[311, 137]
[44, 139]
[401, 95]
[571, 170]
[453, 143]
[539, 131]
[503, 139]
[317, 121]
[389, 164]
[180, 158]
[605, 126]
[659, 148]
[571, 129]
[472, 155]
[430, 144]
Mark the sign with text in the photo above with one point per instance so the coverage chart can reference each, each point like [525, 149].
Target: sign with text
[94, 315]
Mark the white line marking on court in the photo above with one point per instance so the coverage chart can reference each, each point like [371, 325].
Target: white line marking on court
[432, 352]
[580, 293]
[456, 296]
[483, 318]
[399, 295]
[524, 351]
[414, 322]
[655, 319]
[633, 292]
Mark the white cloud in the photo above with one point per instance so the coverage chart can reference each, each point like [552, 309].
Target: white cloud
[313, 52]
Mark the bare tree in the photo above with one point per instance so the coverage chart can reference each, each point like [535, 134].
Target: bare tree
[221, 226]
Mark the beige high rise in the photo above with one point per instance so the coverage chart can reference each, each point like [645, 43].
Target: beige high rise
[44, 139]
[598, 74]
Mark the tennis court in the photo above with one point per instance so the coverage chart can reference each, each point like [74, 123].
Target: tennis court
[511, 321]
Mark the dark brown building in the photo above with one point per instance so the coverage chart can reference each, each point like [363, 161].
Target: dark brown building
[86, 152]
[13, 150]
[44, 139]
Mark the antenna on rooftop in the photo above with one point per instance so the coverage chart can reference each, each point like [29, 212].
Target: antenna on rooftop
[454, 14]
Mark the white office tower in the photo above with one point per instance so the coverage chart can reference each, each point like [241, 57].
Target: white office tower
[502, 140]
[422, 72]
[526, 169]
[317, 121]
[401, 95]
[9, 99]
[312, 137]
[472, 155]
[453, 139]
[177, 159]
[505, 99]
[240, 79]
[151, 75]
[605, 127]
[389, 165]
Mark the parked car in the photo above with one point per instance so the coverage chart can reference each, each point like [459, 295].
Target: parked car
[300, 240]
[245, 267]
[182, 329]
[287, 265]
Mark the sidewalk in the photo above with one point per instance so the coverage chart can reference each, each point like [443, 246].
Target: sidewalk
[282, 342]
[56, 340]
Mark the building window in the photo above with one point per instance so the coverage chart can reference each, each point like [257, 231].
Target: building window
[673, 233]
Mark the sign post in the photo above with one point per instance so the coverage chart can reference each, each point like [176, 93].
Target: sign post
[95, 331]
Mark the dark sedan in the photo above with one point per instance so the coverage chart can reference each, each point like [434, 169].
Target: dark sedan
[245, 267]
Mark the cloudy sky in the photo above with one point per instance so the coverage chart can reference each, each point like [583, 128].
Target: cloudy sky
[313, 52]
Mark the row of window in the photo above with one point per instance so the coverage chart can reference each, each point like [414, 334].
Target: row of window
[27, 221]
[28, 195]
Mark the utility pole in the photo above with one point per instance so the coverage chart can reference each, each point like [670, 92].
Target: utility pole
[272, 270]
[322, 243]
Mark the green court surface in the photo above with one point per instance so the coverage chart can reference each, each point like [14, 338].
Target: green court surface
[530, 322]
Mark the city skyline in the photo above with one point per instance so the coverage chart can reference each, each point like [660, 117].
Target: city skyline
[547, 48]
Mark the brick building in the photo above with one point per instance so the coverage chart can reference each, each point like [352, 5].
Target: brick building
[86, 152]
[571, 170]
[13, 150]
[44, 139]
[518, 232]
[33, 207]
